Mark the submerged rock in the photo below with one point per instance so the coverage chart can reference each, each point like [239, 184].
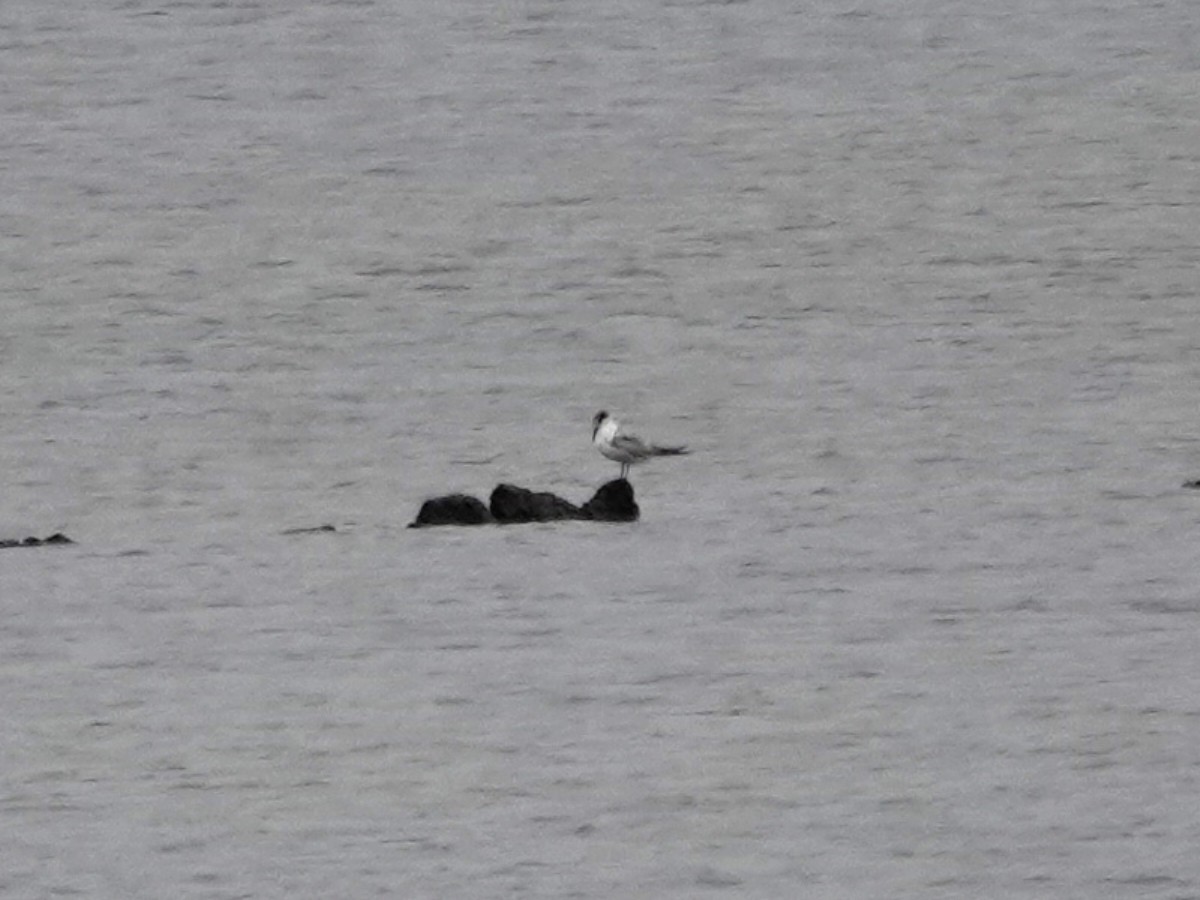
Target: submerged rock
[510, 504]
[314, 529]
[54, 539]
[453, 509]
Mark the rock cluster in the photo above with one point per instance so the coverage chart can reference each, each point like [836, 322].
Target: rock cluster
[613, 502]
[57, 538]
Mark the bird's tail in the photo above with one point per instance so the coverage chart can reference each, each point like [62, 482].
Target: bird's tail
[670, 451]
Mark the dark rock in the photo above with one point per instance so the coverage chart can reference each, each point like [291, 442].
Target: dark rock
[612, 503]
[1194, 485]
[515, 504]
[452, 509]
[56, 538]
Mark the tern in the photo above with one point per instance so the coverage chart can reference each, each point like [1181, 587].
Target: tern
[627, 449]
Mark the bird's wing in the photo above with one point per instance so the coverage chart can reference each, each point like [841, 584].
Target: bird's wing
[630, 443]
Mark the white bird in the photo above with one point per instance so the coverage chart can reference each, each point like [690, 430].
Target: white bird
[627, 449]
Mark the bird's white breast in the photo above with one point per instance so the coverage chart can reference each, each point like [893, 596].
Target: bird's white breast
[606, 432]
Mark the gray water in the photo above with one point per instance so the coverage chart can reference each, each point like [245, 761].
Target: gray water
[918, 618]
